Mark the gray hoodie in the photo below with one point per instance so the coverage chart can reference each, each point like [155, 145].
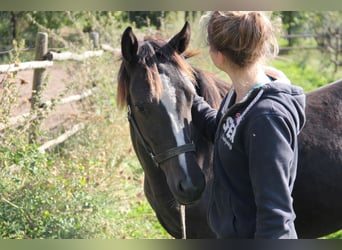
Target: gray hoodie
[255, 160]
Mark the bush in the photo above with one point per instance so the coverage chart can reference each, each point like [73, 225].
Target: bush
[39, 201]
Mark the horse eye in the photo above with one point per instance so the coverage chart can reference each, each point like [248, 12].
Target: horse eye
[140, 108]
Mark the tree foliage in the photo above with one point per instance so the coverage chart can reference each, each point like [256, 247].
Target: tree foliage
[145, 18]
[311, 22]
[16, 24]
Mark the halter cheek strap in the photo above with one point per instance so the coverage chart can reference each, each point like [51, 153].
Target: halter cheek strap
[172, 152]
[161, 157]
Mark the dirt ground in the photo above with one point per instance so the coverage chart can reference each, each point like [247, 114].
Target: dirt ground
[62, 116]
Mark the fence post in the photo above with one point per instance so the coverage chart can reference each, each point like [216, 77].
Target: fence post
[38, 79]
[337, 50]
[95, 39]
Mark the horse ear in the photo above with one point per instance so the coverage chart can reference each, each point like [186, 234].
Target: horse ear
[129, 45]
[181, 40]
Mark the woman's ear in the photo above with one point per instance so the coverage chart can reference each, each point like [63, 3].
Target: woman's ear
[221, 58]
[218, 59]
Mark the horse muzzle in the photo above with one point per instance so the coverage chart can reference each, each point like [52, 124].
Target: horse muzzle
[188, 192]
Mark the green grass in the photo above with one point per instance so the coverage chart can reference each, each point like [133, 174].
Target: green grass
[309, 69]
[336, 235]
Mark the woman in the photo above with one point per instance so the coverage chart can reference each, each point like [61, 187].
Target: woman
[254, 131]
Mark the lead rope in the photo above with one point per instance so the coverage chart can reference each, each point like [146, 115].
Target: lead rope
[182, 213]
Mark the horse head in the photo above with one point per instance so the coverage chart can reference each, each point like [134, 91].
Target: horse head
[158, 86]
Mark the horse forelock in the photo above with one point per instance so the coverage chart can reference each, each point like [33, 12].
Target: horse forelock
[149, 55]
[147, 60]
[163, 52]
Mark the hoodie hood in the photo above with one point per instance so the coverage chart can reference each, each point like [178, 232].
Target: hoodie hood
[291, 97]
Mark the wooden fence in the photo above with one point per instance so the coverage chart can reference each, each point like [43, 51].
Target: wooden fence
[330, 42]
[43, 60]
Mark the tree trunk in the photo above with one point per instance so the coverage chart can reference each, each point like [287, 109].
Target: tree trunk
[13, 25]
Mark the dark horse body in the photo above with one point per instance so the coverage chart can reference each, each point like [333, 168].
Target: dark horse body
[157, 85]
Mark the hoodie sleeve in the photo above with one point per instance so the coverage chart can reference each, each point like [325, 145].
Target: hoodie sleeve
[272, 166]
[204, 117]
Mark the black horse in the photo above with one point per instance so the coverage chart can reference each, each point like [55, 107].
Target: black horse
[158, 85]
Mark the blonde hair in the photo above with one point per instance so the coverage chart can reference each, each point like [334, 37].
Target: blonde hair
[244, 37]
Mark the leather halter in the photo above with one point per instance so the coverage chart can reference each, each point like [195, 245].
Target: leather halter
[161, 157]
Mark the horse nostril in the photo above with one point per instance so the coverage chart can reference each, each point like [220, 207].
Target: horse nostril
[186, 186]
[189, 192]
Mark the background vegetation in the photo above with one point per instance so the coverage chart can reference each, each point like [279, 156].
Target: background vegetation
[91, 185]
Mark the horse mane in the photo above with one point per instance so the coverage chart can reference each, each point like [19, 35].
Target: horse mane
[211, 87]
[207, 85]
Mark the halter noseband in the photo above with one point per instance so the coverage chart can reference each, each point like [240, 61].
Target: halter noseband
[161, 157]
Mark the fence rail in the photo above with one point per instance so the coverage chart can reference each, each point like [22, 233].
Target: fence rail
[19, 119]
[72, 56]
[44, 59]
[14, 67]
[330, 42]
